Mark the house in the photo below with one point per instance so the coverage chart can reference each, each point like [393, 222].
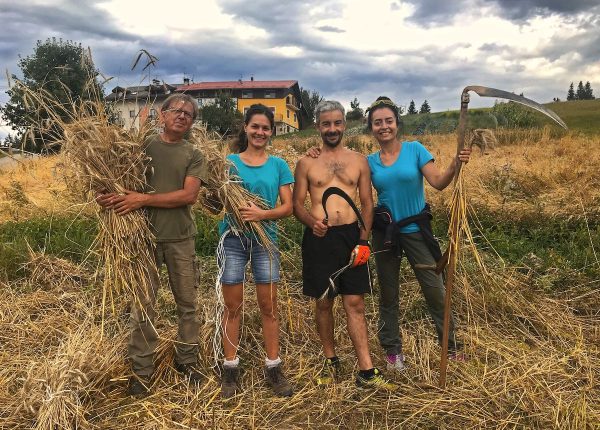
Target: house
[134, 105]
[283, 97]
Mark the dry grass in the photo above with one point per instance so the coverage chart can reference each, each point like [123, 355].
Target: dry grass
[535, 362]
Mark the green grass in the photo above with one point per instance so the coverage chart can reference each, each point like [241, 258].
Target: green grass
[559, 251]
[580, 116]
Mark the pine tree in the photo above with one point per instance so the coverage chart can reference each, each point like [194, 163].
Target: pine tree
[580, 95]
[412, 110]
[589, 93]
[425, 107]
[571, 93]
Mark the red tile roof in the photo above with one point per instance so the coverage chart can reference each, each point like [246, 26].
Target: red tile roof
[236, 85]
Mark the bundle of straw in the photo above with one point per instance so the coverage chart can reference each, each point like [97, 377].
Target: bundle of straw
[107, 158]
[225, 187]
[53, 272]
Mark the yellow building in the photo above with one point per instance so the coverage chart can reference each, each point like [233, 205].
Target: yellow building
[283, 97]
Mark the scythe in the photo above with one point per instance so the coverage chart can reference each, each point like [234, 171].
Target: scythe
[451, 255]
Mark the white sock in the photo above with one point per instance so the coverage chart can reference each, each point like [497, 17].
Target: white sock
[272, 363]
[231, 363]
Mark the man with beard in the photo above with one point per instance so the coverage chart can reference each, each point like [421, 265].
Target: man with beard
[334, 247]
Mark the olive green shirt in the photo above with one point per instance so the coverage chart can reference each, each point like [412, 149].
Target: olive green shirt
[170, 164]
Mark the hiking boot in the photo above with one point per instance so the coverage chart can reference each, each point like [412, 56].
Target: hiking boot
[277, 381]
[330, 372]
[191, 372]
[395, 362]
[377, 381]
[229, 381]
[138, 386]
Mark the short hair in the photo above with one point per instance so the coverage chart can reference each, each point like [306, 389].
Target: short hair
[380, 103]
[328, 106]
[186, 98]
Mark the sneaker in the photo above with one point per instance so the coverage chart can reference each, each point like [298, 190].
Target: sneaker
[229, 381]
[277, 381]
[329, 373]
[377, 381]
[138, 386]
[395, 362]
[457, 356]
[191, 372]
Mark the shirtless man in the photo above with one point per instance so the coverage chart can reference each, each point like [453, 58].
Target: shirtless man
[329, 245]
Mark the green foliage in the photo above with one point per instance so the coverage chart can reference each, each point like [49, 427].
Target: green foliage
[571, 93]
[425, 108]
[62, 68]
[310, 100]
[222, 116]
[356, 113]
[412, 110]
[513, 115]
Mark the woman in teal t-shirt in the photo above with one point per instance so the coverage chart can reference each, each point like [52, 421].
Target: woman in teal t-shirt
[397, 172]
[270, 178]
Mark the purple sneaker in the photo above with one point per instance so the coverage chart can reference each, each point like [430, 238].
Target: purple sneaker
[395, 362]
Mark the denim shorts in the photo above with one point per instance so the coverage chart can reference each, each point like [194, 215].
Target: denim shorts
[241, 249]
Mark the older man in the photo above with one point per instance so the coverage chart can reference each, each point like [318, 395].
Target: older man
[334, 247]
[176, 174]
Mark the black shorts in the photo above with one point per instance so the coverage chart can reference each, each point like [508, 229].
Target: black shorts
[323, 256]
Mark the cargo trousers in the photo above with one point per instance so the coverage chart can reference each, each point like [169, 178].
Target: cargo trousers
[179, 257]
[432, 287]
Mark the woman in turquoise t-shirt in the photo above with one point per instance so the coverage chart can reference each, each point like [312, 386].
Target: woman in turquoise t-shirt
[397, 172]
[270, 178]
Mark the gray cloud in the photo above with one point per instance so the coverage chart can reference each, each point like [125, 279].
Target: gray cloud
[522, 9]
[341, 73]
[330, 29]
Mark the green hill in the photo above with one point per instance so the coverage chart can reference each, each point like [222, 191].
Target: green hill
[580, 116]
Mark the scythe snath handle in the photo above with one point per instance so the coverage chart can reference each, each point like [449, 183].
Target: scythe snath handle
[453, 229]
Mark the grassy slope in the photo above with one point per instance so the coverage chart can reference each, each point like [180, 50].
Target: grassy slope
[579, 115]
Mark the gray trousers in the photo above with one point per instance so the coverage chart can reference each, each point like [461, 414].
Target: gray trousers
[179, 258]
[432, 286]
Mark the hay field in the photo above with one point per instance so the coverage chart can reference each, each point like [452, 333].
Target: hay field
[535, 352]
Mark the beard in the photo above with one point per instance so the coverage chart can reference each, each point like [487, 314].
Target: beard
[329, 143]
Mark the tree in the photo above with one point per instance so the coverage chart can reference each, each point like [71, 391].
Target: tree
[425, 107]
[580, 95]
[412, 110]
[222, 116]
[66, 72]
[310, 100]
[513, 115]
[356, 113]
[589, 93]
[571, 93]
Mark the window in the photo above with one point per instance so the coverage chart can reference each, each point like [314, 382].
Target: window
[288, 112]
[295, 117]
[247, 94]
[131, 114]
[152, 113]
[288, 100]
[270, 94]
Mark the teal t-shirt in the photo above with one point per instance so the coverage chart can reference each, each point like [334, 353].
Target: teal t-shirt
[264, 181]
[400, 186]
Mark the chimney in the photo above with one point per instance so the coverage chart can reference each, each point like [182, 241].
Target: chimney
[251, 78]
[186, 81]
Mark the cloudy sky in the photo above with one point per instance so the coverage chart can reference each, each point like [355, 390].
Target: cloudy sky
[406, 49]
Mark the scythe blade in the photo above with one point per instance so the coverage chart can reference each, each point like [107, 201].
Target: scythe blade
[501, 94]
